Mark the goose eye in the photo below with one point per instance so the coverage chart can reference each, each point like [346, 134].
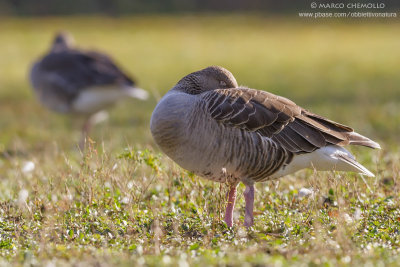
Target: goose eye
[222, 83]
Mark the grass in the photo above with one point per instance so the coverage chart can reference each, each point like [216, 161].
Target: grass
[122, 202]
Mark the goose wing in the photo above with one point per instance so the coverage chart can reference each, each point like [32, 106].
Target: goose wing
[73, 71]
[278, 118]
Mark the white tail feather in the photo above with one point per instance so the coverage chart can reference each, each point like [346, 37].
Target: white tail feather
[353, 163]
[136, 92]
[328, 158]
[97, 98]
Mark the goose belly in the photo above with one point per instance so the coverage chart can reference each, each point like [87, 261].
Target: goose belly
[189, 136]
[227, 154]
[206, 154]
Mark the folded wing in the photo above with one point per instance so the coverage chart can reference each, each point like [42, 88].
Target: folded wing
[280, 119]
[73, 70]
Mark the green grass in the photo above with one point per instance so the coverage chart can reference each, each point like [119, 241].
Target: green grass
[125, 203]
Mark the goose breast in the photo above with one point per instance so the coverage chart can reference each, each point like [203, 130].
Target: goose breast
[184, 129]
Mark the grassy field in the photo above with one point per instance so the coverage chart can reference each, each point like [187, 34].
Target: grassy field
[124, 203]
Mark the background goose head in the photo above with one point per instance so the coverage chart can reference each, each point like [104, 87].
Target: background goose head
[207, 79]
[62, 41]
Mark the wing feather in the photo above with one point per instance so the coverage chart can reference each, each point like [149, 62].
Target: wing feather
[278, 118]
[74, 70]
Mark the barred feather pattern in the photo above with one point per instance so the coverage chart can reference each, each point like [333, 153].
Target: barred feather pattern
[241, 153]
[238, 133]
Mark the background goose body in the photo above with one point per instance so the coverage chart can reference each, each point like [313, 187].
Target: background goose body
[68, 80]
[225, 133]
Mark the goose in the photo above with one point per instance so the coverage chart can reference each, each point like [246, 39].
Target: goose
[72, 81]
[212, 127]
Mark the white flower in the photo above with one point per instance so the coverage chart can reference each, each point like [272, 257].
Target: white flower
[50, 264]
[28, 167]
[347, 218]
[166, 259]
[139, 249]
[23, 196]
[125, 200]
[115, 167]
[346, 259]
[303, 192]
[357, 214]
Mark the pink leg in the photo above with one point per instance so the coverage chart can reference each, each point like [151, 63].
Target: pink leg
[231, 204]
[249, 198]
[85, 133]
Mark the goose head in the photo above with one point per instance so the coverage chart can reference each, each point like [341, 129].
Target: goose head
[207, 79]
[62, 41]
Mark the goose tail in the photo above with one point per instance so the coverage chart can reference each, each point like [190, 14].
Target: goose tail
[358, 139]
[351, 164]
[136, 92]
[336, 158]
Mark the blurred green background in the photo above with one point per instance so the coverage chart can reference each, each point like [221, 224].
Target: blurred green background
[345, 70]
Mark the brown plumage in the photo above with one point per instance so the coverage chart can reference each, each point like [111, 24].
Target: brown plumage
[280, 119]
[216, 129]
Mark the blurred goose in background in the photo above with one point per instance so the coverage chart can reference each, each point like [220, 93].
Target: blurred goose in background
[230, 134]
[68, 80]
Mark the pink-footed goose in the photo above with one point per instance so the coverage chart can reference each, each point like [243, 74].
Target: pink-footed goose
[68, 80]
[230, 134]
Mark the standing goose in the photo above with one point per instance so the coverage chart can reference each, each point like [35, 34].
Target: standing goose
[230, 134]
[68, 80]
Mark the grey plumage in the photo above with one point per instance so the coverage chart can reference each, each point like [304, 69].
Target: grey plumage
[69, 80]
[226, 133]
[63, 74]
